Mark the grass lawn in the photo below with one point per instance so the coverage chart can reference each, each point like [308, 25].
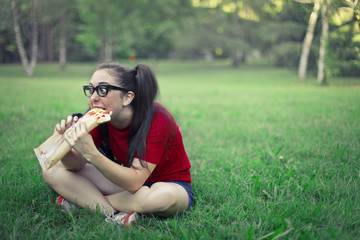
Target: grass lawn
[272, 158]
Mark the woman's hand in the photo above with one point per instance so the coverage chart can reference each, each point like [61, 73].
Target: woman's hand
[80, 140]
[65, 124]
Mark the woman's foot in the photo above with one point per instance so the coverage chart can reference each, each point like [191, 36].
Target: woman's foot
[121, 218]
[64, 204]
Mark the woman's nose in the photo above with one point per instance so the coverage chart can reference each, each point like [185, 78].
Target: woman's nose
[94, 95]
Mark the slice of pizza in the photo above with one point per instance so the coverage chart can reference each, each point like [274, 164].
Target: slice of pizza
[56, 147]
[91, 119]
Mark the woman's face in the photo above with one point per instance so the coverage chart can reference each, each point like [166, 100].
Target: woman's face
[114, 100]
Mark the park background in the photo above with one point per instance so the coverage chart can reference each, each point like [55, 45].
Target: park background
[266, 94]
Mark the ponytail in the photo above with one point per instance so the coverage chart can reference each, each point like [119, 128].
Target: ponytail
[146, 89]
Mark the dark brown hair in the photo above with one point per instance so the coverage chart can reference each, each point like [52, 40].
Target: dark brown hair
[141, 80]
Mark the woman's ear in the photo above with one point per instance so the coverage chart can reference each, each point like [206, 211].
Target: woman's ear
[129, 96]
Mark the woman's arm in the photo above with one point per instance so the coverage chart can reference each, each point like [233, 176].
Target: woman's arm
[130, 179]
[73, 161]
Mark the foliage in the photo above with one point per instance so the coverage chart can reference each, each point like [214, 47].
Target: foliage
[201, 34]
[128, 27]
[287, 54]
[187, 29]
[284, 35]
[158, 26]
[7, 37]
[271, 157]
[344, 42]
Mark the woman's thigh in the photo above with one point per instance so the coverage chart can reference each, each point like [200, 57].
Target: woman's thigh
[162, 198]
[166, 199]
[104, 185]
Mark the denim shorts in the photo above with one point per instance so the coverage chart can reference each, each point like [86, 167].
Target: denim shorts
[186, 185]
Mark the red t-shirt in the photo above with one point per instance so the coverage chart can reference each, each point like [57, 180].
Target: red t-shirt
[164, 147]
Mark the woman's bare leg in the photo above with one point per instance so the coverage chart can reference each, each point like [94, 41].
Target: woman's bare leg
[76, 187]
[162, 198]
[86, 188]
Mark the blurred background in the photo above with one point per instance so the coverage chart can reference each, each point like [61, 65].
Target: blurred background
[319, 37]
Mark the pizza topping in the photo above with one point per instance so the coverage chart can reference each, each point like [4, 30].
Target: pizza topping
[99, 114]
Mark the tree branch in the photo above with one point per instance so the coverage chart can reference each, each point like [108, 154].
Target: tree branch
[304, 1]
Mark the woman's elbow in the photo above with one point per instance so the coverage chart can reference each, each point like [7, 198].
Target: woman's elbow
[135, 186]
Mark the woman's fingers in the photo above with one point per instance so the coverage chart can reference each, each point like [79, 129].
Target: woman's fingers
[81, 130]
[66, 124]
[61, 127]
[78, 138]
[69, 121]
[75, 119]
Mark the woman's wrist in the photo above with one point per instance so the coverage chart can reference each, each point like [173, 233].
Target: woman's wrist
[93, 156]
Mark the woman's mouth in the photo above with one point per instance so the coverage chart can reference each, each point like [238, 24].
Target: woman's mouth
[99, 107]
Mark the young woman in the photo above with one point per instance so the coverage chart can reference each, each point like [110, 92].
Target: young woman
[151, 173]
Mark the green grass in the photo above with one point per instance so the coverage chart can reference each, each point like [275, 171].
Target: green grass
[272, 158]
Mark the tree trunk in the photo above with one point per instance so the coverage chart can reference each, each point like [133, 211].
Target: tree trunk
[321, 77]
[62, 42]
[108, 49]
[28, 66]
[45, 43]
[308, 40]
[50, 44]
[101, 37]
[235, 56]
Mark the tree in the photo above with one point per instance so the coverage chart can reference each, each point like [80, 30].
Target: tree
[308, 40]
[321, 78]
[154, 30]
[236, 52]
[231, 27]
[330, 8]
[29, 66]
[65, 23]
[343, 56]
[106, 27]
[62, 40]
[124, 28]
[246, 15]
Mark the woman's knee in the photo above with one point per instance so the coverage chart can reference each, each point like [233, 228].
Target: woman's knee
[160, 199]
[52, 174]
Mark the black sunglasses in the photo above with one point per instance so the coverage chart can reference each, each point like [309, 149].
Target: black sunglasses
[101, 90]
